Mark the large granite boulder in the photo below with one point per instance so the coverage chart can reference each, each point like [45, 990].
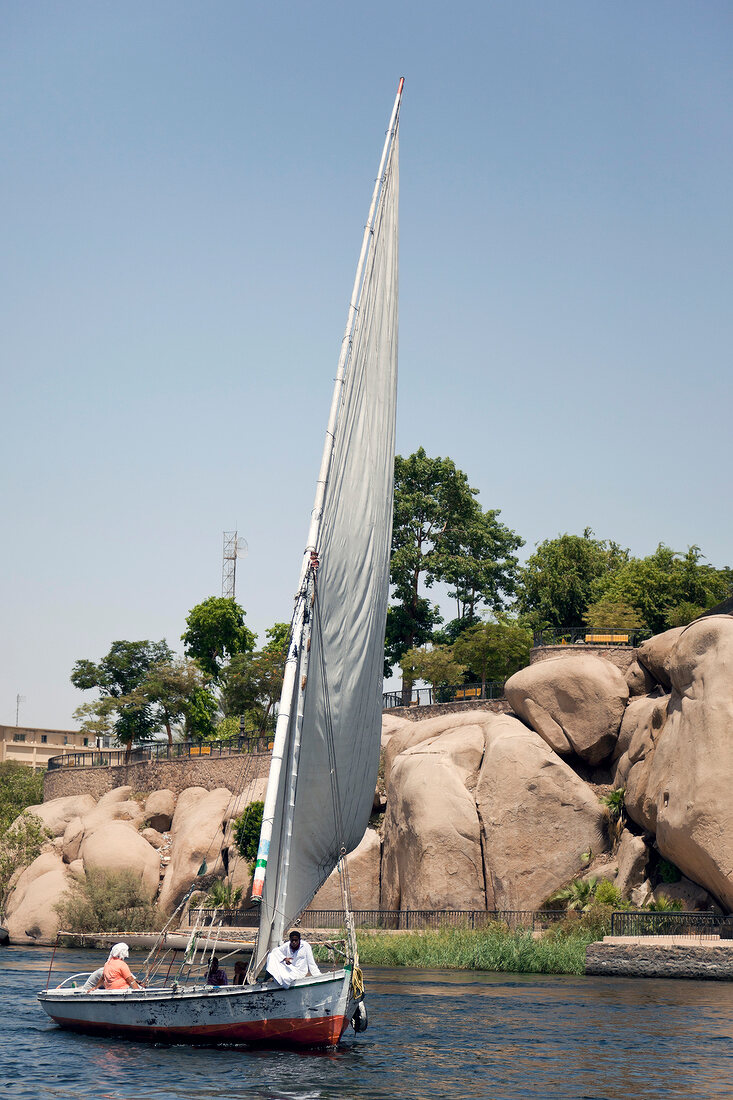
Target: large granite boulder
[159, 808]
[574, 702]
[689, 779]
[432, 839]
[639, 680]
[412, 734]
[117, 846]
[57, 813]
[31, 914]
[363, 869]
[633, 859]
[657, 654]
[540, 820]
[646, 721]
[197, 835]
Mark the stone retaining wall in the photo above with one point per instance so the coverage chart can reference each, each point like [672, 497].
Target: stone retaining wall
[622, 656]
[154, 775]
[652, 957]
[416, 714]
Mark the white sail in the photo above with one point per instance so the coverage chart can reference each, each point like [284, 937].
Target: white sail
[330, 763]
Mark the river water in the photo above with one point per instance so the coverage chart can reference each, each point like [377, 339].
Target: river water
[433, 1035]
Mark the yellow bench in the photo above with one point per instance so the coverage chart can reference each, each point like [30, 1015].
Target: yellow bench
[200, 750]
[600, 639]
[468, 693]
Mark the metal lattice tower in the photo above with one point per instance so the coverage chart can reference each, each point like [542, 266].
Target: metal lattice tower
[229, 565]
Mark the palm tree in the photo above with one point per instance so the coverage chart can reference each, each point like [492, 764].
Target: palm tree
[578, 895]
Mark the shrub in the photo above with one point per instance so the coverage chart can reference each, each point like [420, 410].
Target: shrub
[614, 801]
[223, 895]
[663, 904]
[108, 901]
[20, 787]
[608, 894]
[19, 846]
[578, 895]
[247, 831]
[667, 871]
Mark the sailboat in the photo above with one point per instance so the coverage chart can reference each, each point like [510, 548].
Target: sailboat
[325, 754]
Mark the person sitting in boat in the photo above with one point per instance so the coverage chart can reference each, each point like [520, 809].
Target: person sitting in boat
[94, 981]
[292, 959]
[240, 973]
[216, 975]
[117, 974]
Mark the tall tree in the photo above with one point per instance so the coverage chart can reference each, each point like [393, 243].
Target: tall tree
[564, 575]
[252, 682]
[440, 533]
[437, 665]
[215, 633]
[170, 686]
[117, 677]
[493, 651]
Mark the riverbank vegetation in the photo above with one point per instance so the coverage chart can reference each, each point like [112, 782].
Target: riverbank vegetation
[559, 950]
[108, 901]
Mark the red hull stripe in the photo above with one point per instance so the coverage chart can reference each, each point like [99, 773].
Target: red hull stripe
[318, 1031]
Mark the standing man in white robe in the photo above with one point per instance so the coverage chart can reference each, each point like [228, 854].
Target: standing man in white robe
[292, 959]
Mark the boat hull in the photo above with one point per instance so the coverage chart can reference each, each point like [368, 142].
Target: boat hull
[312, 1012]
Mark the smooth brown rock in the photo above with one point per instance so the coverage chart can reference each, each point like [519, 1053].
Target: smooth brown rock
[432, 842]
[159, 809]
[363, 869]
[153, 837]
[57, 813]
[657, 654]
[117, 794]
[34, 919]
[639, 680]
[48, 860]
[691, 769]
[694, 898]
[575, 703]
[116, 847]
[197, 835]
[73, 836]
[539, 818]
[646, 726]
[414, 733]
[76, 870]
[633, 857]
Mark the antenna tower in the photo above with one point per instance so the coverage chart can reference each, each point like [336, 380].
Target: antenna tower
[233, 548]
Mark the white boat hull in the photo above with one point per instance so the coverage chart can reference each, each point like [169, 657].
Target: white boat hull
[312, 1012]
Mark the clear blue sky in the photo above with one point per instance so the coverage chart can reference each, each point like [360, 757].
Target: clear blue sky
[183, 193]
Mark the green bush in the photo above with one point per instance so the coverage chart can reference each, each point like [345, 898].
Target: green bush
[108, 901]
[223, 895]
[19, 846]
[247, 831]
[614, 801]
[20, 787]
[607, 894]
[667, 871]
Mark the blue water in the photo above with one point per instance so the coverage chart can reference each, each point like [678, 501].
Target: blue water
[433, 1035]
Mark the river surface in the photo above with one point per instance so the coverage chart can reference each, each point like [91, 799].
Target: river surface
[433, 1035]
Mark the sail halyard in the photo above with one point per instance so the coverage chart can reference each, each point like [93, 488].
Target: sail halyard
[292, 888]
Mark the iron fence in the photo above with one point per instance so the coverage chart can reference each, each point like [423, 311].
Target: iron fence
[586, 635]
[426, 696]
[390, 920]
[705, 925]
[161, 750]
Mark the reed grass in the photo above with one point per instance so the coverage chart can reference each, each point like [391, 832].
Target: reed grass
[492, 949]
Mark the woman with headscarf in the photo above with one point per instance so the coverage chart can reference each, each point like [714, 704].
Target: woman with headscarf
[117, 974]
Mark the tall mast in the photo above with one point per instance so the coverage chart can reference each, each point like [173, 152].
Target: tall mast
[301, 619]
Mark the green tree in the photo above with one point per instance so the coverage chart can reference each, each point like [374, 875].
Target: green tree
[610, 614]
[436, 665]
[117, 677]
[200, 715]
[578, 895]
[215, 632]
[440, 533]
[565, 575]
[20, 844]
[251, 683]
[667, 586]
[493, 651]
[170, 687]
[247, 830]
[20, 787]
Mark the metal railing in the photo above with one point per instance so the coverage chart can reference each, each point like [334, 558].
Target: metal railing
[161, 750]
[587, 635]
[426, 696]
[389, 919]
[632, 923]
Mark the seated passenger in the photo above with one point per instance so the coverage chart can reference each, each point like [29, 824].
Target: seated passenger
[117, 974]
[240, 972]
[216, 976]
[291, 960]
[94, 981]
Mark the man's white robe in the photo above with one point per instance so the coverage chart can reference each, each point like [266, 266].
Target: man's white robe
[301, 962]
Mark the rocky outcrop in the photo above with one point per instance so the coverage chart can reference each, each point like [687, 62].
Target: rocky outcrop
[197, 836]
[159, 808]
[31, 915]
[574, 703]
[363, 865]
[539, 818]
[656, 655]
[117, 847]
[57, 814]
[633, 859]
[432, 847]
